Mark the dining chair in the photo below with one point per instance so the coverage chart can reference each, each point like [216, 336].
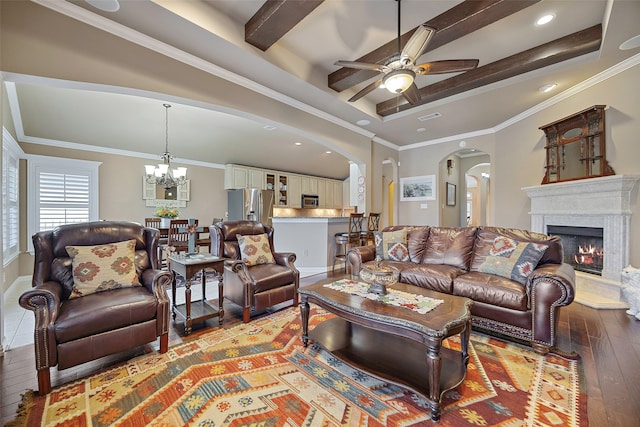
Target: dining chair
[178, 236]
[155, 222]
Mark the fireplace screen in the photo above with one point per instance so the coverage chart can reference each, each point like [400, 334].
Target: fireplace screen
[582, 247]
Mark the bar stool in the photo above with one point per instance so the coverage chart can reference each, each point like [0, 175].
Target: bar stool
[373, 219]
[344, 240]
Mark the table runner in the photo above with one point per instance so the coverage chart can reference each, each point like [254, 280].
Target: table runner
[419, 303]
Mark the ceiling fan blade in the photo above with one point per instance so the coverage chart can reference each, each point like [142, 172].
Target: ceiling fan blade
[412, 95]
[446, 66]
[417, 44]
[367, 89]
[360, 65]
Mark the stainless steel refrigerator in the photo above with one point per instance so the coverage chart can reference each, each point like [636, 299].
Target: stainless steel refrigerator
[251, 204]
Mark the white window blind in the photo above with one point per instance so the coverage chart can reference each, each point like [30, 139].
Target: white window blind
[62, 191]
[63, 199]
[11, 154]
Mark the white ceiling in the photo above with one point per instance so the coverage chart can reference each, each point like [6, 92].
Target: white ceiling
[296, 68]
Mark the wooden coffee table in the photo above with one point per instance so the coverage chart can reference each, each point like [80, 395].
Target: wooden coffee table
[395, 343]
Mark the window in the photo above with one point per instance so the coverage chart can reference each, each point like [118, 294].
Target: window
[11, 153]
[62, 191]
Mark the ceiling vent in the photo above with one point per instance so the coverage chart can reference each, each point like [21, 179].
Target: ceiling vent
[429, 117]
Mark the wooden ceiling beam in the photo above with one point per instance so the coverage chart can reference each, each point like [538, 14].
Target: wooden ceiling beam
[460, 20]
[571, 46]
[274, 19]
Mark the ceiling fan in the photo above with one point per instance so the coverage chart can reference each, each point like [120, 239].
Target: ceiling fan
[400, 70]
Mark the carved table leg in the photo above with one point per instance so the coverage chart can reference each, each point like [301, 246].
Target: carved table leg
[220, 298]
[434, 365]
[304, 314]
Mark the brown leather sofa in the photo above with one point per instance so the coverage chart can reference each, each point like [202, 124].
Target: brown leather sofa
[448, 260]
[255, 287]
[69, 332]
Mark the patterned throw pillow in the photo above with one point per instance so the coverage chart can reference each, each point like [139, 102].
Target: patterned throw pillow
[255, 249]
[103, 267]
[392, 245]
[512, 259]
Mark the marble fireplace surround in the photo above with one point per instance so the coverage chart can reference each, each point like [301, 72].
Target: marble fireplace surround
[603, 202]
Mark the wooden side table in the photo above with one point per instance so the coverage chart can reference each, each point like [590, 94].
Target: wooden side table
[187, 267]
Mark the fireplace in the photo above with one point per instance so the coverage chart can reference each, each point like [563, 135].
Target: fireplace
[603, 204]
[582, 247]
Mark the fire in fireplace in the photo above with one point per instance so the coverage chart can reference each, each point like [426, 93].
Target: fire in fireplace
[582, 247]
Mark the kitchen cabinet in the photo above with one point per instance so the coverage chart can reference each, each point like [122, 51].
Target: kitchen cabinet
[288, 187]
[338, 187]
[322, 195]
[310, 185]
[295, 193]
[235, 177]
[256, 178]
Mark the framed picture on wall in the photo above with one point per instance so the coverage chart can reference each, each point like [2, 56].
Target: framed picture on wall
[451, 194]
[415, 188]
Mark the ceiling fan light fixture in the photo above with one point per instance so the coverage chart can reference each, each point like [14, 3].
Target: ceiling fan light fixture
[398, 81]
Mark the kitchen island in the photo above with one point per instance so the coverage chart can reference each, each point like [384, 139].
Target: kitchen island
[311, 239]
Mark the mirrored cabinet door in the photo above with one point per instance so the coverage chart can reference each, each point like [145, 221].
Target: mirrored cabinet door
[575, 147]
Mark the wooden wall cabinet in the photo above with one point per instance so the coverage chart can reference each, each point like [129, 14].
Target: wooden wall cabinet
[288, 187]
[576, 147]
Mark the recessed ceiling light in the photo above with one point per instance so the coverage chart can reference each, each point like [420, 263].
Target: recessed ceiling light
[545, 19]
[421, 129]
[632, 43]
[106, 5]
[363, 122]
[298, 143]
[327, 152]
[547, 88]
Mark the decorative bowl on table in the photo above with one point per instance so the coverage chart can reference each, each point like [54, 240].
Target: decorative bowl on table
[378, 277]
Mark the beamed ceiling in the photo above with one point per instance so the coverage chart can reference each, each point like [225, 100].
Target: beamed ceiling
[290, 47]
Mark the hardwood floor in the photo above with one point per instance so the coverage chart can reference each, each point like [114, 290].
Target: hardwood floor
[607, 340]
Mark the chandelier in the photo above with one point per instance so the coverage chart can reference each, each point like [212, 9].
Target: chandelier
[163, 174]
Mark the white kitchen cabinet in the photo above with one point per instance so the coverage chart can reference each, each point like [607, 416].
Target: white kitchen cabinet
[295, 191]
[235, 176]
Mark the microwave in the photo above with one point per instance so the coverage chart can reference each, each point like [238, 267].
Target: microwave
[309, 201]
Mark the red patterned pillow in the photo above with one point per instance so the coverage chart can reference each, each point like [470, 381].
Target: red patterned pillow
[255, 249]
[392, 245]
[102, 267]
[512, 259]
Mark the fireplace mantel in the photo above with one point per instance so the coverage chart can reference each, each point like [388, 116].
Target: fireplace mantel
[603, 202]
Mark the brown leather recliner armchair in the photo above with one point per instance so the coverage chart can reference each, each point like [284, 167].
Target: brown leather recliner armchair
[256, 287]
[69, 332]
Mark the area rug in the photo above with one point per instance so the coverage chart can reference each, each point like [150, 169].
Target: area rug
[259, 374]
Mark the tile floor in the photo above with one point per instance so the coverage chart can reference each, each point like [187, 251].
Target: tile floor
[18, 322]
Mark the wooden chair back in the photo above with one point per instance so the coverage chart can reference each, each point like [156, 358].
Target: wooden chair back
[355, 228]
[178, 237]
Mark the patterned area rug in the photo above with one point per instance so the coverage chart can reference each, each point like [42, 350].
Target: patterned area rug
[259, 374]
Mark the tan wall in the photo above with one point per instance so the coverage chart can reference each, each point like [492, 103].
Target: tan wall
[120, 189]
[517, 155]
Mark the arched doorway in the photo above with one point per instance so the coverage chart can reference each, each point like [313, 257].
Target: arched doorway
[464, 185]
[389, 198]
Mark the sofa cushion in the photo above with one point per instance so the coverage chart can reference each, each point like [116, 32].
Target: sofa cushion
[104, 311]
[512, 259]
[271, 276]
[449, 245]
[255, 249]
[437, 277]
[392, 245]
[102, 267]
[491, 289]
[486, 236]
